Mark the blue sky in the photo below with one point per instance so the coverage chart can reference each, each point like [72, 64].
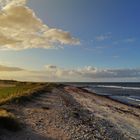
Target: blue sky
[108, 31]
[87, 19]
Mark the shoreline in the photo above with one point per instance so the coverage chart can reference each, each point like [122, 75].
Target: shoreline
[68, 113]
[109, 97]
[124, 116]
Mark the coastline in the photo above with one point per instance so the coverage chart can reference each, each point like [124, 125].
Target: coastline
[110, 97]
[124, 117]
[70, 113]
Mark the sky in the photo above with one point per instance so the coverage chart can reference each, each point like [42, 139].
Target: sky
[70, 40]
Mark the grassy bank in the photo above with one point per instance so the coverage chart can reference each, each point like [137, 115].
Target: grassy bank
[10, 90]
[13, 91]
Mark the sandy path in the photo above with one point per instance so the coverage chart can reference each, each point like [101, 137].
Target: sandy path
[40, 117]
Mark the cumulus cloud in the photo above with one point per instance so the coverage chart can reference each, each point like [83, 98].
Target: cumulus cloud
[57, 35]
[21, 29]
[55, 73]
[91, 73]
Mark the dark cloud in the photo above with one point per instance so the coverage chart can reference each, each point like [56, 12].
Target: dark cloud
[6, 68]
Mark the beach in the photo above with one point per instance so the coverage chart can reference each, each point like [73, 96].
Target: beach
[71, 113]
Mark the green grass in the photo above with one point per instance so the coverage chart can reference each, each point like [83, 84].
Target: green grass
[19, 89]
[18, 92]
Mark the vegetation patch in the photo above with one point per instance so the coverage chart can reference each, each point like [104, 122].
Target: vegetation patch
[8, 121]
[18, 92]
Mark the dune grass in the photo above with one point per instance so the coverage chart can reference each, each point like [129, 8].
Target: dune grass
[16, 89]
[12, 91]
[18, 92]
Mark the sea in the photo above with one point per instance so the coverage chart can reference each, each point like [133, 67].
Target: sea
[127, 93]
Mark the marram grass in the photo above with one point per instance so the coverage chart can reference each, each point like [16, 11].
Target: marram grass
[18, 89]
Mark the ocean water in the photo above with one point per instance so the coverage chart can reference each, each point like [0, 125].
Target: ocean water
[128, 93]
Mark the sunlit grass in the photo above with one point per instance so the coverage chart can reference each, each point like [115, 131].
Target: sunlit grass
[17, 92]
[16, 89]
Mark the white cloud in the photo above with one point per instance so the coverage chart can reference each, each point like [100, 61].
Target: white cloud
[21, 29]
[90, 73]
[103, 37]
[126, 41]
[54, 73]
[8, 3]
[129, 40]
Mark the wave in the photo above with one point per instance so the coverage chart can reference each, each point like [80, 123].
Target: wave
[119, 87]
[133, 99]
[127, 100]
